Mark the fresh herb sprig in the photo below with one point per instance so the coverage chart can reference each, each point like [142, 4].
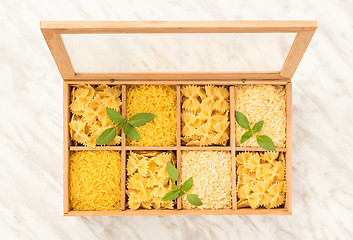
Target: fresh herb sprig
[187, 185]
[129, 126]
[264, 141]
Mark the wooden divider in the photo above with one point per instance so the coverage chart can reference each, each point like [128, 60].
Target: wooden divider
[232, 145]
[178, 133]
[66, 146]
[288, 159]
[257, 149]
[123, 150]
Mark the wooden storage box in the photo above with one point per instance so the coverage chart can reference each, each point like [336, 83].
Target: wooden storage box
[53, 31]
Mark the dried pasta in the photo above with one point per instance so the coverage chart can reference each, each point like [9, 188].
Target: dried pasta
[205, 116]
[159, 100]
[148, 180]
[260, 180]
[262, 102]
[211, 172]
[94, 180]
[89, 117]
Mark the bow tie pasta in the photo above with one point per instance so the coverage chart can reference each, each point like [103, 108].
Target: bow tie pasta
[89, 117]
[205, 115]
[148, 180]
[260, 179]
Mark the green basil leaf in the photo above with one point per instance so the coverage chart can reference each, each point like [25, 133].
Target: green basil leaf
[141, 119]
[242, 120]
[246, 136]
[172, 171]
[131, 132]
[194, 200]
[176, 187]
[171, 195]
[181, 192]
[114, 116]
[257, 127]
[187, 184]
[265, 142]
[107, 136]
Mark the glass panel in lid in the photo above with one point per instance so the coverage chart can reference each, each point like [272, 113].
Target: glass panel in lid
[187, 52]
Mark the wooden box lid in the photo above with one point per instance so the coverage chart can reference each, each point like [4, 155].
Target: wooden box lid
[185, 35]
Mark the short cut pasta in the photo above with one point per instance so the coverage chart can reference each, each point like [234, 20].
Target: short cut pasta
[260, 179]
[89, 117]
[205, 115]
[148, 180]
[262, 102]
[211, 172]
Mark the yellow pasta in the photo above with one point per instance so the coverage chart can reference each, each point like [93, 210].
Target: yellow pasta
[89, 117]
[94, 180]
[260, 179]
[159, 100]
[205, 116]
[148, 180]
[262, 102]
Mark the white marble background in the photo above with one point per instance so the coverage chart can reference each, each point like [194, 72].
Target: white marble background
[31, 125]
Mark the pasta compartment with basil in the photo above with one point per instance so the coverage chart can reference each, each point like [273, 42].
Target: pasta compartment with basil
[211, 173]
[147, 179]
[89, 118]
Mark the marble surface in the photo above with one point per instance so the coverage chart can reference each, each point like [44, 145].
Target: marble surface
[31, 125]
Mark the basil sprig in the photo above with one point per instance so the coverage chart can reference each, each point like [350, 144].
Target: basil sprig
[174, 174]
[129, 126]
[264, 141]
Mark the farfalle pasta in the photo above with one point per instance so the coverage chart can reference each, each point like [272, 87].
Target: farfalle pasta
[89, 117]
[148, 180]
[205, 115]
[260, 179]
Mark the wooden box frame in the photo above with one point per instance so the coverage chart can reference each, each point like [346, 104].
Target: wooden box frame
[52, 31]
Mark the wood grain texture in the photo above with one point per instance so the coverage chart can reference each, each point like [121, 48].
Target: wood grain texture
[87, 27]
[123, 151]
[66, 146]
[178, 163]
[145, 212]
[96, 148]
[288, 204]
[258, 149]
[59, 53]
[52, 31]
[182, 77]
[296, 53]
[232, 145]
[149, 148]
[205, 148]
